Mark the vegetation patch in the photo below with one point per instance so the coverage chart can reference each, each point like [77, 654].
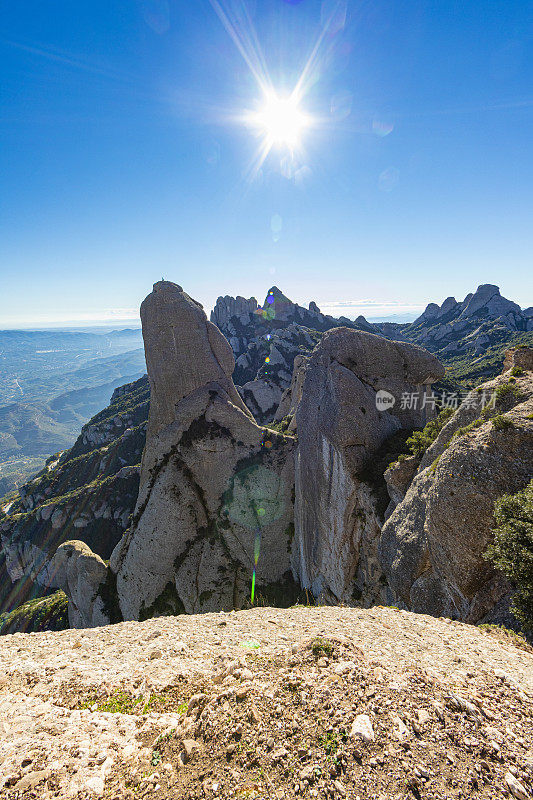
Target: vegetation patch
[502, 423]
[507, 395]
[420, 441]
[507, 636]
[41, 614]
[512, 549]
[322, 647]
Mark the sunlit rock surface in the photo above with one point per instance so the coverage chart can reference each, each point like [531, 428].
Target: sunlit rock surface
[215, 487]
[340, 428]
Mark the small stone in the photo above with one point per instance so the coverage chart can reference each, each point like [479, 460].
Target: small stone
[96, 785]
[423, 716]
[155, 654]
[190, 747]
[401, 728]
[340, 788]
[362, 728]
[196, 700]
[242, 693]
[31, 780]
[515, 787]
[421, 771]
[450, 756]
[343, 667]
[308, 774]
[255, 716]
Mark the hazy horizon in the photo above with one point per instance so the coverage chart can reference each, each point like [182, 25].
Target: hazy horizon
[372, 310]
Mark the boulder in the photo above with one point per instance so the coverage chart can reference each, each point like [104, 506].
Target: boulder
[341, 424]
[432, 545]
[398, 478]
[520, 357]
[82, 575]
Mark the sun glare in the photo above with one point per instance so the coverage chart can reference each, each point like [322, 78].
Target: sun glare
[281, 121]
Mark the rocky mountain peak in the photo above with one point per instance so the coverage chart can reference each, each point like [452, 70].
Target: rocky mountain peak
[228, 307]
[179, 364]
[487, 299]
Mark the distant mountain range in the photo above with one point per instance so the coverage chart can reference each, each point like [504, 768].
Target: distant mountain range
[52, 382]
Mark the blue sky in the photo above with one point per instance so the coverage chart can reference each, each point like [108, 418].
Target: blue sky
[125, 156]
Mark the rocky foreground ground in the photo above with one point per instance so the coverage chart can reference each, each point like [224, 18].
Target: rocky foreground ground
[268, 703]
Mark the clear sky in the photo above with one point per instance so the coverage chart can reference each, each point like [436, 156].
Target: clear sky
[127, 153]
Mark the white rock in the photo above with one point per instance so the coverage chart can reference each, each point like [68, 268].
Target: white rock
[362, 728]
[343, 667]
[96, 785]
[515, 787]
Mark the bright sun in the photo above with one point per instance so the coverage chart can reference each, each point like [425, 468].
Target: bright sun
[281, 120]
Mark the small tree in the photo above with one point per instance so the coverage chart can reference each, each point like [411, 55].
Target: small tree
[419, 442]
[512, 549]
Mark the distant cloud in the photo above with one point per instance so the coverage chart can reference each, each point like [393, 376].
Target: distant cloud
[367, 303]
[371, 308]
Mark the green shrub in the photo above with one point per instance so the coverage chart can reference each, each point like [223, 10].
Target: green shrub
[517, 372]
[512, 549]
[472, 426]
[321, 647]
[507, 394]
[502, 423]
[419, 442]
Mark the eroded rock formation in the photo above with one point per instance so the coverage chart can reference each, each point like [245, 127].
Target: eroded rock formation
[82, 575]
[340, 428]
[215, 487]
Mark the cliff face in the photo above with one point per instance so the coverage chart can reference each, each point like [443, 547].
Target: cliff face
[214, 486]
[433, 543]
[341, 428]
[221, 507]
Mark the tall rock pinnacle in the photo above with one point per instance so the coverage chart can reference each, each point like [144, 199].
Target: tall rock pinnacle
[214, 509]
[184, 351]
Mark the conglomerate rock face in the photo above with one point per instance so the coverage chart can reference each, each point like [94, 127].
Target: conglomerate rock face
[433, 543]
[83, 576]
[215, 498]
[340, 427]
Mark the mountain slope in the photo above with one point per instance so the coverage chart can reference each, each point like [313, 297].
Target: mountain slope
[471, 337]
[88, 492]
